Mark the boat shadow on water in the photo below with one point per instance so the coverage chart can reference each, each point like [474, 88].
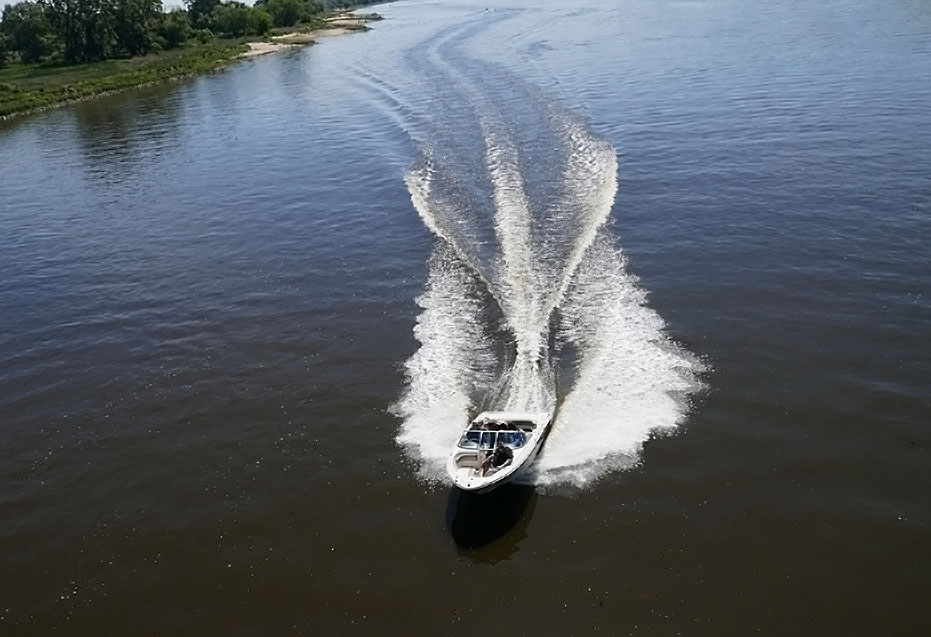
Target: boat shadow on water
[489, 527]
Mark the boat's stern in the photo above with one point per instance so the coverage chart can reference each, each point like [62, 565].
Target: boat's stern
[465, 469]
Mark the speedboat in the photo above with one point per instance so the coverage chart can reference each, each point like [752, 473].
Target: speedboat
[495, 448]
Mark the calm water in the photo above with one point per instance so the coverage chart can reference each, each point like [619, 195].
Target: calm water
[243, 316]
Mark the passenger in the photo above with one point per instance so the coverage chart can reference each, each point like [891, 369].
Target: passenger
[498, 458]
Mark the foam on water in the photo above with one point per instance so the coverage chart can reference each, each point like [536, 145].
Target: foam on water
[455, 362]
[631, 380]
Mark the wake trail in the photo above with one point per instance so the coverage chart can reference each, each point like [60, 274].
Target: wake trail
[525, 388]
[518, 192]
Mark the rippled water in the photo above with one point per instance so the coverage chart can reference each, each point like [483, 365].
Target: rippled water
[243, 315]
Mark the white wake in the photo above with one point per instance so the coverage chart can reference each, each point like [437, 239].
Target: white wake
[526, 280]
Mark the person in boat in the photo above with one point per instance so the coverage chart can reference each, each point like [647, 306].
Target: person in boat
[497, 458]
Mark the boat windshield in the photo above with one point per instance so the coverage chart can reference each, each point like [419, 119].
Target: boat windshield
[471, 440]
[487, 440]
[512, 439]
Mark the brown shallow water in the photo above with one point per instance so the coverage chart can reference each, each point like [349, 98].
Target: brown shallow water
[208, 304]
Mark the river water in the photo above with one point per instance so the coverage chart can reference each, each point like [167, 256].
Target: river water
[244, 316]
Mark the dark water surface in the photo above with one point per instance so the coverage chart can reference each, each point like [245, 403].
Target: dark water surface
[216, 416]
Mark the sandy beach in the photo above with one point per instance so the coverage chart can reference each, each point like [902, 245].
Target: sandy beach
[264, 48]
[339, 25]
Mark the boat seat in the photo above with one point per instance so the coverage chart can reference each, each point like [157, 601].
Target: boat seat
[468, 460]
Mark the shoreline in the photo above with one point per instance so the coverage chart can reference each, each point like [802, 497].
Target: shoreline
[159, 68]
[339, 24]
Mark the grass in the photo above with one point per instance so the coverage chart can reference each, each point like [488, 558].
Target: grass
[30, 87]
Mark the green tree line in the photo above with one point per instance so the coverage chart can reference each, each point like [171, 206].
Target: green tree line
[73, 31]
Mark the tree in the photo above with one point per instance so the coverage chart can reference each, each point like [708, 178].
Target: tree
[260, 22]
[200, 12]
[232, 18]
[284, 13]
[6, 46]
[86, 27]
[175, 28]
[28, 31]
[135, 23]
[237, 19]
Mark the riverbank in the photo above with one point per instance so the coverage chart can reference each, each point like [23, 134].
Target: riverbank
[27, 88]
[339, 24]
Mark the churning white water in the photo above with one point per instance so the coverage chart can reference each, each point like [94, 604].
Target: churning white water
[526, 280]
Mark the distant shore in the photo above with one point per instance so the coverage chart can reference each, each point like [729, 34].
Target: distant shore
[28, 89]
